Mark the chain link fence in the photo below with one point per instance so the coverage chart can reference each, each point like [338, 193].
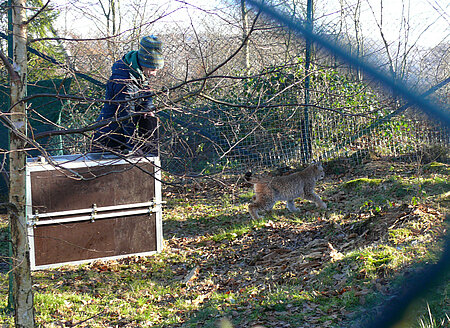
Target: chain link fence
[238, 91]
[258, 117]
[227, 104]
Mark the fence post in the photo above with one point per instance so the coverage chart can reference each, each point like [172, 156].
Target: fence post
[10, 306]
[308, 55]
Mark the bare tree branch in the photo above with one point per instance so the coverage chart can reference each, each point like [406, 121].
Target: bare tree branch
[12, 73]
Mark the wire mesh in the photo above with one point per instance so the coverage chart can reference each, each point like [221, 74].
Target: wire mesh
[274, 127]
[230, 99]
[227, 105]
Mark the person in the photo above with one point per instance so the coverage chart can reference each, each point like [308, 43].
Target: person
[128, 92]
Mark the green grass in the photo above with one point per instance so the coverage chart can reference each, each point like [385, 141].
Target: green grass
[311, 268]
[429, 321]
[238, 230]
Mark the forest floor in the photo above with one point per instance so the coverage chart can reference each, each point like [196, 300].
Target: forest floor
[339, 267]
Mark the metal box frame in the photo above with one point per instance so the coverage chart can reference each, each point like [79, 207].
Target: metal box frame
[92, 207]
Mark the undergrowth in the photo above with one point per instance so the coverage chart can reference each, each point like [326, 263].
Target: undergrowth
[334, 268]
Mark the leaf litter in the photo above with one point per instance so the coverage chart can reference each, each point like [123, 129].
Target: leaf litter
[309, 269]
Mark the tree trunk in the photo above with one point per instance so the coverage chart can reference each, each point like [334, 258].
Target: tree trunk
[22, 291]
[246, 57]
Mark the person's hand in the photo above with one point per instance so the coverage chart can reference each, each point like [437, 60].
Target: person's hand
[148, 114]
[149, 110]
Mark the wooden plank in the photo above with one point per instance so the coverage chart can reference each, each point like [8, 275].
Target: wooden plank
[85, 240]
[53, 191]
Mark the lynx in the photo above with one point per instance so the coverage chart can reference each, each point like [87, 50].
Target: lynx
[269, 190]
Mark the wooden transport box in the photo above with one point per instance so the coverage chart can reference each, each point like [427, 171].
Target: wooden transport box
[92, 207]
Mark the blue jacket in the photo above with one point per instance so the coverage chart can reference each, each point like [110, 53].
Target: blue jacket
[126, 82]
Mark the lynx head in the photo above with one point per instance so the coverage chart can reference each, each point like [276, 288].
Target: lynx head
[319, 173]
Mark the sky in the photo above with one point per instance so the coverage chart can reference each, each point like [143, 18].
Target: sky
[175, 11]
[429, 20]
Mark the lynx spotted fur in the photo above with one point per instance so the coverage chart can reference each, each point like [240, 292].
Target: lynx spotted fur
[269, 190]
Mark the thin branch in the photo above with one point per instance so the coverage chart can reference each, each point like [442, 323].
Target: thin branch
[9, 67]
[286, 105]
[106, 37]
[239, 48]
[37, 13]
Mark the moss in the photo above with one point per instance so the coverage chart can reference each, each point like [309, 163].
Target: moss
[356, 183]
[437, 167]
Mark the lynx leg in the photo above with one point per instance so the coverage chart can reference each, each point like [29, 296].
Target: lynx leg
[316, 199]
[264, 204]
[291, 206]
[253, 210]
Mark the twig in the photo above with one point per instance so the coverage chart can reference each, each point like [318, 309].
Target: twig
[83, 321]
[191, 275]
[12, 73]
[37, 13]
